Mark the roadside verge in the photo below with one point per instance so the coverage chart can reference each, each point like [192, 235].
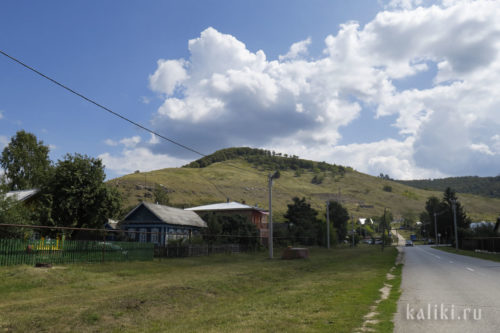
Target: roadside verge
[381, 315]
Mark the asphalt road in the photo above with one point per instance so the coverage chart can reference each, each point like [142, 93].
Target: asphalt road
[444, 292]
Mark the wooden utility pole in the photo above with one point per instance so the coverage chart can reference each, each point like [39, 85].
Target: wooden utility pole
[328, 224]
[383, 230]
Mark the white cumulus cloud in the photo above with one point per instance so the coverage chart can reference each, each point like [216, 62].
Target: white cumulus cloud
[130, 160]
[296, 50]
[447, 117]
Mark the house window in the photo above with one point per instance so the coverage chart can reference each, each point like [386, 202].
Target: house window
[154, 235]
[131, 233]
[143, 236]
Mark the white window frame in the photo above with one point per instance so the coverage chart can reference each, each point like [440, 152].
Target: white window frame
[131, 233]
[143, 236]
[154, 235]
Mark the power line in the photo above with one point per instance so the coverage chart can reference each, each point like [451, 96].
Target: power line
[107, 109]
[112, 112]
[100, 105]
[123, 231]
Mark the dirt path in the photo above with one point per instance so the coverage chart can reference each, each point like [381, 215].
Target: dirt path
[401, 239]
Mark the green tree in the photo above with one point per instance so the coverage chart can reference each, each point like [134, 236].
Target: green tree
[303, 224]
[448, 196]
[230, 229]
[160, 195]
[77, 196]
[463, 221]
[434, 205]
[443, 209]
[408, 218]
[26, 162]
[13, 212]
[340, 217]
[385, 225]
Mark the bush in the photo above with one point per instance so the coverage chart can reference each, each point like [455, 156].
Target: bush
[317, 179]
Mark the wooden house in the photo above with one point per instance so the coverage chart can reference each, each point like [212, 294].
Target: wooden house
[254, 214]
[158, 224]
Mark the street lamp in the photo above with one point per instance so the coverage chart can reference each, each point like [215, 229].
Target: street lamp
[436, 228]
[270, 177]
[454, 207]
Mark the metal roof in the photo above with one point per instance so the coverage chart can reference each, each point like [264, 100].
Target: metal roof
[225, 206]
[112, 224]
[21, 195]
[364, 220]
[172, 215]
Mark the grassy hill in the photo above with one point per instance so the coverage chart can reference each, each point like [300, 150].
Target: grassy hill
[244, 178]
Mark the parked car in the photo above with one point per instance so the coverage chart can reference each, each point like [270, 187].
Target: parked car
[378, 241]
[409, 243]
[430, 241]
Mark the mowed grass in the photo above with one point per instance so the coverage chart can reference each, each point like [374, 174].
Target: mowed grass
[330, 292]
[480, 255]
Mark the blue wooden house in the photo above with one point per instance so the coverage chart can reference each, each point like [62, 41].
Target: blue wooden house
[158, 224]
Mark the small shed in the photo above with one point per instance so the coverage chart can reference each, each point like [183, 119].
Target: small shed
[154, 223]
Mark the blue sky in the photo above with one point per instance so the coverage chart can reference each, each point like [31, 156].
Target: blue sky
[404, 87]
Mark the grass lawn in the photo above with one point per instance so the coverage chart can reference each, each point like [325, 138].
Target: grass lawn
[480, 255]
[330, 292]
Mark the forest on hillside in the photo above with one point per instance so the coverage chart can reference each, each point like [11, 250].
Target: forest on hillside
[267, 160]
[485, 186]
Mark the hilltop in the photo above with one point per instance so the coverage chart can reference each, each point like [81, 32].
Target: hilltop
[485, 186]
[240, 174]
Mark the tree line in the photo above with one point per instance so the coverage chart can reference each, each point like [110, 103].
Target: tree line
[444, 224]
[267, 160]
[485, 186]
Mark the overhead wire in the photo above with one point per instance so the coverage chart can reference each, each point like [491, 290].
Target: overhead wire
[90, 100]
[100, 105]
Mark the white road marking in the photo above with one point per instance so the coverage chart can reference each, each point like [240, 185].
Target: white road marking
[470, 269]
[451, 262]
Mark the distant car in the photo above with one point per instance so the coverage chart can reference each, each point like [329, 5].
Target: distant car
[430, 241]
[378, 241]
[409, 243]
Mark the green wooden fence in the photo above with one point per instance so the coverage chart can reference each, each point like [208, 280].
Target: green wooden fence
[29, 252]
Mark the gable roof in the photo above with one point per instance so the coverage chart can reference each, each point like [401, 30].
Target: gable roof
[225, 206]
[21, 195]
[171, 215]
